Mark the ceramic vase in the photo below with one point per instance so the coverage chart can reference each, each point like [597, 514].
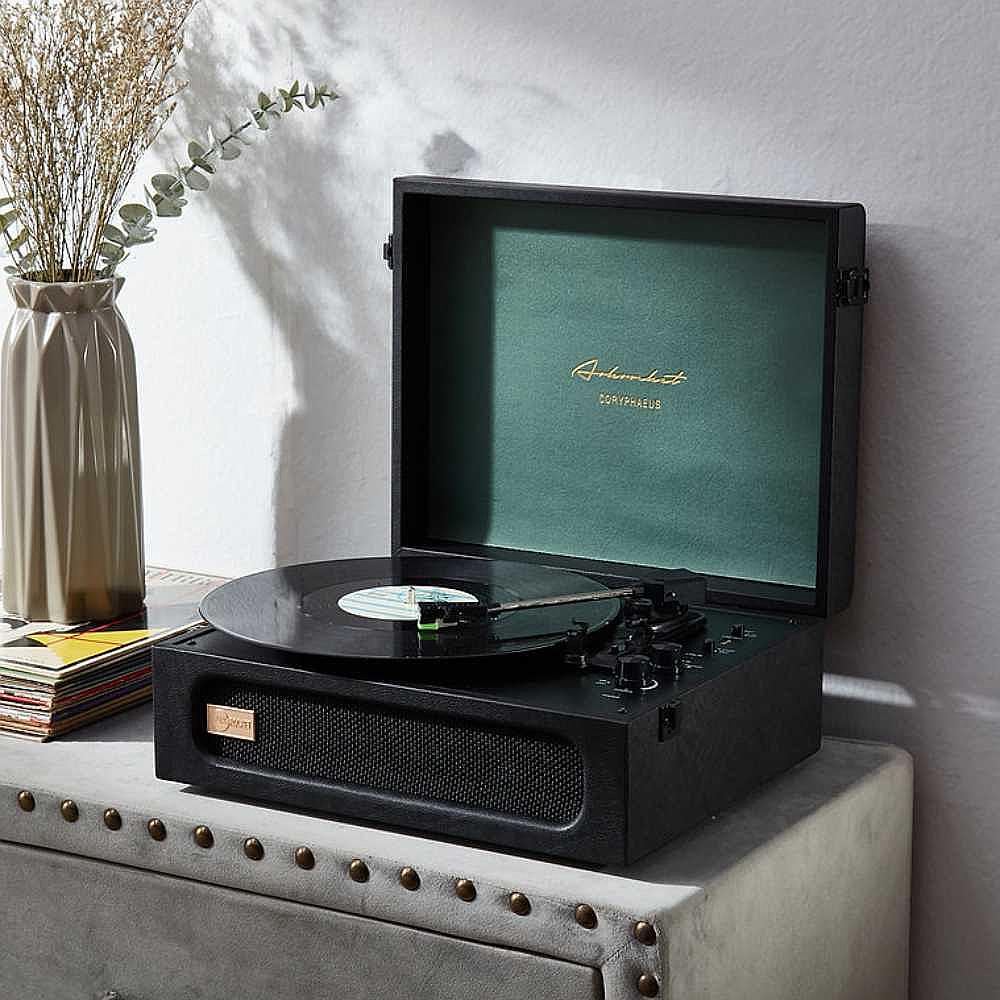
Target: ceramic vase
[69, 437]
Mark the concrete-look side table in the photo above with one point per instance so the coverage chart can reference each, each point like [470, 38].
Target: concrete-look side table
[112, 882]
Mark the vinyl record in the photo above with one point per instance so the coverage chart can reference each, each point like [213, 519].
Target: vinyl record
[363, 608]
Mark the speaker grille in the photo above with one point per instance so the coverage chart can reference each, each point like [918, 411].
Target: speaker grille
[416, 755]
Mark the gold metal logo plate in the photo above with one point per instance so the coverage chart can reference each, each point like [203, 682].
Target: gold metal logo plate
[237, 723]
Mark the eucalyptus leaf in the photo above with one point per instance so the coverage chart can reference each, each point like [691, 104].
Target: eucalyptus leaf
[138, 228]
[195, 150]
[196, 180]
[169, 209]
[166, 184]
[114, 235]
[230, 151]
[18, 241]
[137, 236]
[7, 219]
[111, 251]
[139, 215]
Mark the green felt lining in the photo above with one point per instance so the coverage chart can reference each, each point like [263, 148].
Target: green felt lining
[719, 472]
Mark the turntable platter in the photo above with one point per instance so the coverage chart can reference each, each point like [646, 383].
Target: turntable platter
[364, 608]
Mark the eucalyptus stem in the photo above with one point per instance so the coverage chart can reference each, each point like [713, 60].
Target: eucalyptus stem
[165, 195]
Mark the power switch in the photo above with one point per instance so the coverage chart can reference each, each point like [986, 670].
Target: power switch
[670, 720]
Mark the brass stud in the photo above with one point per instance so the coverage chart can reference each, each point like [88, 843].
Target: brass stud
[409, 879]
[253, 849]
[586, 916]
[304, 858]
[647, 985]
[26, 801]
[519, 904]
[465, 890]
[203, 837]
[358, 870]
[157, 829]
[112, 819]
[69, 811]
[644, 932]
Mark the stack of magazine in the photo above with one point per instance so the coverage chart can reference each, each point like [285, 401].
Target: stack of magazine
[56, 678]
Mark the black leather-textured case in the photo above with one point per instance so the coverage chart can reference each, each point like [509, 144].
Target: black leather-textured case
[454, 756]
[558, 771]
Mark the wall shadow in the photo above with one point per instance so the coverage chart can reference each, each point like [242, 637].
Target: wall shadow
[315, 269]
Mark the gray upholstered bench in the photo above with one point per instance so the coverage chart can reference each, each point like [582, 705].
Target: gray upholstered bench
[800, 893]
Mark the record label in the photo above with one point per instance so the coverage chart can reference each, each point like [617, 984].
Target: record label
[399, 603]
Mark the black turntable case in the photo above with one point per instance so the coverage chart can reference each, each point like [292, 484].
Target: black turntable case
[503, 295]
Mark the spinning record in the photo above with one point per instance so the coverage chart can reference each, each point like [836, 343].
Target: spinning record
[367, 608]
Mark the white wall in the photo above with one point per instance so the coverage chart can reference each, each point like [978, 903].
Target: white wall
[262, 319]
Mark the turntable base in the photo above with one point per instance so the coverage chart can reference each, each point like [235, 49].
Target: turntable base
[594, 731]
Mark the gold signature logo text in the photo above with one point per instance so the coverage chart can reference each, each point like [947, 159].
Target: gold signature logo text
[588, 370]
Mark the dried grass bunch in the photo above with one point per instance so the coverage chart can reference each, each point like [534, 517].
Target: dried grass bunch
[85, 87]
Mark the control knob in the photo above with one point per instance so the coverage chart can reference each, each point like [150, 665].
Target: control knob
[634, 672]
[667, 657]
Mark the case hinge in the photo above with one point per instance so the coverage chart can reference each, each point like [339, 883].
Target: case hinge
[853, 286]
[387, 251]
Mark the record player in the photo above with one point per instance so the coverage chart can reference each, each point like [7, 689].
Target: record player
[591, 388]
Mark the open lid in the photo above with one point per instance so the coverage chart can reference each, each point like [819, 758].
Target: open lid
[612, 380]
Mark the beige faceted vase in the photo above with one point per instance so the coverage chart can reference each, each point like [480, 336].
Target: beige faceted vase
[72, 508]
